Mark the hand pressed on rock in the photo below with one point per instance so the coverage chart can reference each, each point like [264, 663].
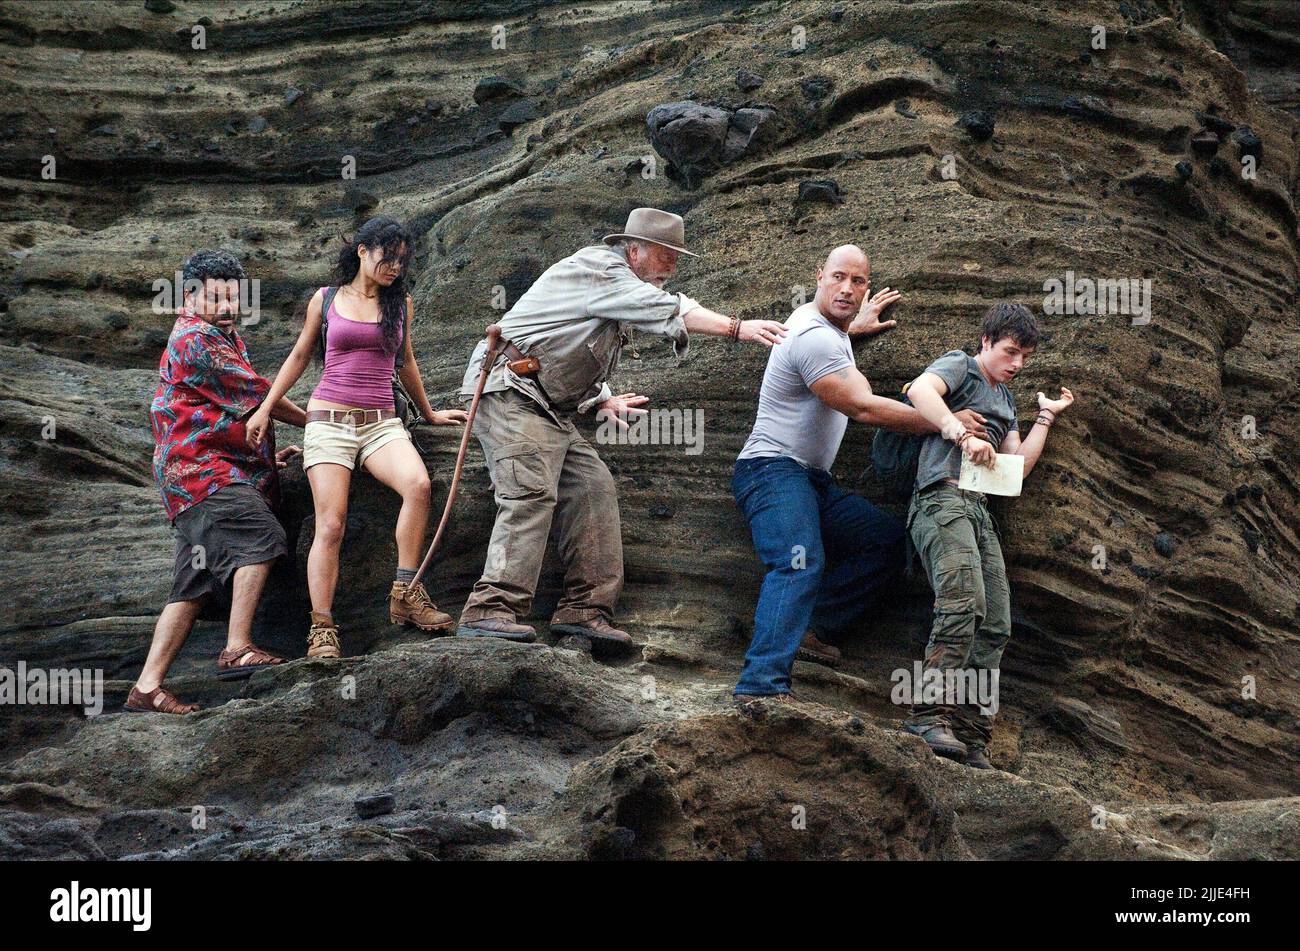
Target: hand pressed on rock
[868, 321]
[620, 407]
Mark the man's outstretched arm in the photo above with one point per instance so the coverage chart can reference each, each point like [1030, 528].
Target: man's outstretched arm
[926, 393]
[848, 391]
[700, 320]
[1032, 446]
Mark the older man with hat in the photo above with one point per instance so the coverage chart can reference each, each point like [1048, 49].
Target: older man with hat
[562, 341]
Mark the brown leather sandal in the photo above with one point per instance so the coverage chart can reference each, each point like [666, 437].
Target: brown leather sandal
[140, 702]
[244, 661]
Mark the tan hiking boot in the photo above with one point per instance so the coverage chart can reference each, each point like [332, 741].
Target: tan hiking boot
[596, 629]
[498, 627]
[412, 605]
[323, 638]
[742, 699]
[818, 651]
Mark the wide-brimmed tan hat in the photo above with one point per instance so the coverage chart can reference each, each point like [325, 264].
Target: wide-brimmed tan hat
[655, 226]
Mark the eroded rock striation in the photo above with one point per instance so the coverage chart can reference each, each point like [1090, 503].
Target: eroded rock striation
[1151, 692]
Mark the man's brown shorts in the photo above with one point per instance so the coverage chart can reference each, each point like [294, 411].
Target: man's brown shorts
[231, 528]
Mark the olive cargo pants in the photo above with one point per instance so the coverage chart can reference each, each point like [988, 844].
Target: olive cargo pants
[954, 535]
[545, 476]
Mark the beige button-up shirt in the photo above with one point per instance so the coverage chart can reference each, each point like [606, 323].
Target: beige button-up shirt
[574, 319]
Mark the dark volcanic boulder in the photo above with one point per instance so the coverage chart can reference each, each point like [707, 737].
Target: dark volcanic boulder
[690, 136]
[698, 139]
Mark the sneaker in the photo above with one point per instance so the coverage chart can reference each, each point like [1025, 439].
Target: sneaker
[940, 739]
[323, 638]
[409, 604]
[498, 627]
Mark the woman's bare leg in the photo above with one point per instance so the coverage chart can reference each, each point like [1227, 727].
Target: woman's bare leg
[398, 465]
[329, 491]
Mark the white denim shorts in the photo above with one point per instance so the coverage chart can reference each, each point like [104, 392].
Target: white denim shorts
[346, 444]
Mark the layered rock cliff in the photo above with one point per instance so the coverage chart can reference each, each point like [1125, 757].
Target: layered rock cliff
[976, 150]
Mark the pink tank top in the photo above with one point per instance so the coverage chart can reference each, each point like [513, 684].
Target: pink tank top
[358, 372]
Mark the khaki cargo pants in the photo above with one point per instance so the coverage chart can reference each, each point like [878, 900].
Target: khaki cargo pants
[954, 535]
[546, 477]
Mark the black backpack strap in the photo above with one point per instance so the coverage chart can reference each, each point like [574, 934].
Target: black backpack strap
[325, 303]
[968, 383]
[399, 358]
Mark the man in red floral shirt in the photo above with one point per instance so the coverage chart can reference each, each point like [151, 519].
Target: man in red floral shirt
[217, 491]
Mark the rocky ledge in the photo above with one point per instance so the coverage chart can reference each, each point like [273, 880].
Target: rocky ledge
[1151, 692]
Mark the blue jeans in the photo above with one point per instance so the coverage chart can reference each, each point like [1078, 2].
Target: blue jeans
[829, 553]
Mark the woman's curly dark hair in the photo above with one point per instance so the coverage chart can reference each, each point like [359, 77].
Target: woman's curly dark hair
[395, 241]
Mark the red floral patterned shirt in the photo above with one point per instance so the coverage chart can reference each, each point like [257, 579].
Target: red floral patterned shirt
[206, 390]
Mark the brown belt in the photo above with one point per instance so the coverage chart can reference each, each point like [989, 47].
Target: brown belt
[519, 363]
[358, 417]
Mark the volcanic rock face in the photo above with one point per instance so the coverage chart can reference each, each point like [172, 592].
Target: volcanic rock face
[1150, 700]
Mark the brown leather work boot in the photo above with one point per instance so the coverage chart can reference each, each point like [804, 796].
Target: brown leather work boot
[323, 638]
[498, 627]
[598, 629]
[817, 651]
[745, 698]
[412, 605]
[939, 737]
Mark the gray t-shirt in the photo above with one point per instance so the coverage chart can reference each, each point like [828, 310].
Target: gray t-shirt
[791, 420]
[941, 458]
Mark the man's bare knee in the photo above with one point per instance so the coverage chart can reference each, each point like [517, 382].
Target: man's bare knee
[250, 572]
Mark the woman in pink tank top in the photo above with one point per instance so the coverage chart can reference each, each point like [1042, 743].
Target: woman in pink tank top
[351, 420]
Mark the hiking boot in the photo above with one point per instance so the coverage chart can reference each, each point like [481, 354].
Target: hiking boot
[750, 699]
[597, 629]
[940, 739]
[754, 706]
[977, 756]
[412, 605]
[498, 627]
[817, 651]
[323, 638]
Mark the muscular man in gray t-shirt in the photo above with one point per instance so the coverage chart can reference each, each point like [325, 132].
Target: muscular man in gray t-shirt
[828, 552]
[791, 420]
